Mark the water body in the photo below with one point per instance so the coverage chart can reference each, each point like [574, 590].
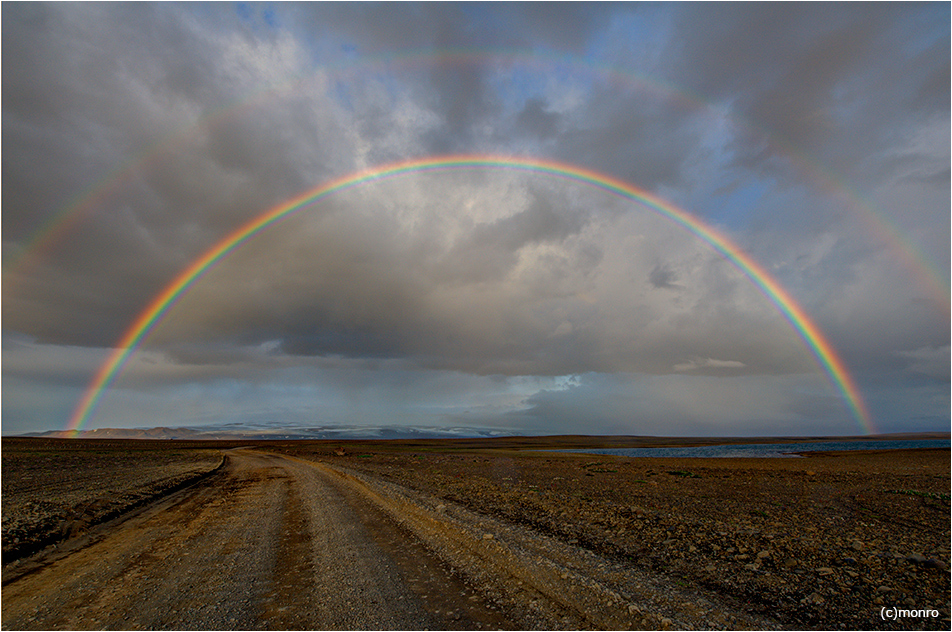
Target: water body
[768, 450]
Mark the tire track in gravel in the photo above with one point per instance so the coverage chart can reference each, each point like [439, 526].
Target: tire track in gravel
[264, 543]
[277, 542]
[541, 582]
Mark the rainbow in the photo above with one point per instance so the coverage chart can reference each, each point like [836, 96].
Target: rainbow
[824, 353]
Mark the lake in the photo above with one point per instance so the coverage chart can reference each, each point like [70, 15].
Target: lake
[769, 450]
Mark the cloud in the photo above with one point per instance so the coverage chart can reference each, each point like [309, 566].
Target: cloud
[490, 275]
[688, 405]
[931, 361]
[537, 119]
[708, 363]
[663, 277]
[815, 137]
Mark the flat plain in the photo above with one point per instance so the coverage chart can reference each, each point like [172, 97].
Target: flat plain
[467, 534]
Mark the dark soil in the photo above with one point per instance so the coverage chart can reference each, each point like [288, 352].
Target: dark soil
[53, 489]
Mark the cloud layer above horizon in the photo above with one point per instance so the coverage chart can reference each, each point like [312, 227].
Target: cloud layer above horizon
[816, 137]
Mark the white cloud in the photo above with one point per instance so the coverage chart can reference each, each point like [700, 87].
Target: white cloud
[708, 363]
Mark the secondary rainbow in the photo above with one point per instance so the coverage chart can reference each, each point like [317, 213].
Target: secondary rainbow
[48, 235]
[824, 353]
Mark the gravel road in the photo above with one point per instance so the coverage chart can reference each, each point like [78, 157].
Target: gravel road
[275, 542]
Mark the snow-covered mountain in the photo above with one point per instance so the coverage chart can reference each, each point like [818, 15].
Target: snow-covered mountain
[266, 432]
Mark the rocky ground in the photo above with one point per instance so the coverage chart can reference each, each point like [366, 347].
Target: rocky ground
[825, 541]
[52, 489]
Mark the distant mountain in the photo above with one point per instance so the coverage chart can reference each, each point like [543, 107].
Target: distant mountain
[237, 432]
[264, 432]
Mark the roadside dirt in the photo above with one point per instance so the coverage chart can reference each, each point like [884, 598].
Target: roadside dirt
[53, 490]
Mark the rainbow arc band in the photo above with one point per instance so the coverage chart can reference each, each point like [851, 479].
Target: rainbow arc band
[148, 319]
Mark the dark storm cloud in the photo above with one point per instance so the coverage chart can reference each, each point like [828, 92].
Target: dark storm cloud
[538, 120]
[117, 82]
[400, 27]
[812, 75]
[458, 92]
[663, 277]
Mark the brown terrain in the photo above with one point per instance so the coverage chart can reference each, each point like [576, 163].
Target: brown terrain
[467, 534]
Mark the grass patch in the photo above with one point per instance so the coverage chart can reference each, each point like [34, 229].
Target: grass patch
[683, 474]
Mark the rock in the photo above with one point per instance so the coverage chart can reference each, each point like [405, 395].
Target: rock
[938, 564]
[857, 545]
[824, 570]
[915, 558]
[882, 590]
[487, 536]
[763, 554]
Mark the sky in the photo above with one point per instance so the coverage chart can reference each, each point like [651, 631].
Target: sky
[813, 137]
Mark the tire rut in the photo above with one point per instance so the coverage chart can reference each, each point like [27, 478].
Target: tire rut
[264, 543]
[540, 582]
[277, 542]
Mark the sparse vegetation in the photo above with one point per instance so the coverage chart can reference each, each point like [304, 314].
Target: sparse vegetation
[913, 492]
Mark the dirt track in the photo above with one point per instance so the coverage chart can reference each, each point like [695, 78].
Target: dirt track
[275, 542]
